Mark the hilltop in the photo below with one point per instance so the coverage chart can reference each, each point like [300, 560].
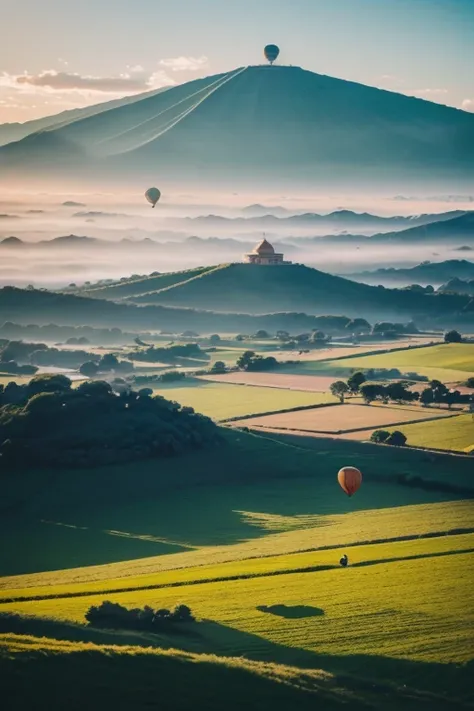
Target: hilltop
[278, 123]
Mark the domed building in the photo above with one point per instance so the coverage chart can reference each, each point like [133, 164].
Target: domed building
[264, 253]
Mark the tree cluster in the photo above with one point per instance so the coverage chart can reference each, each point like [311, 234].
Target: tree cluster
[252, 362]
[111, 615]
[439, 394]
[168, 354]
[108, 363]
[47, 422]
[396, 438]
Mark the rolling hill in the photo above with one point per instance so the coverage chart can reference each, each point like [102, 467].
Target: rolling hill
[433, 273]
[278, 122]
[259, 289]
[232, 298]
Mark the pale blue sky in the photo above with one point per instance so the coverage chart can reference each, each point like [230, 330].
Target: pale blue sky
[100, 49]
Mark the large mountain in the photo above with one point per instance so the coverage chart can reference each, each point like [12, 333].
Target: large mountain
[277, 123]
[11, 132]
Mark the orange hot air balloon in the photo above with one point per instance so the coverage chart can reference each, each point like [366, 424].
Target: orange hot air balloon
[349, 479]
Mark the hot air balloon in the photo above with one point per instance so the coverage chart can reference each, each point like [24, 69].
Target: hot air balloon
[271, 52]
[153, 195]
[349, 479]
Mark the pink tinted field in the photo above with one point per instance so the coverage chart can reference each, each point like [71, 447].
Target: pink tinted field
[341, 418]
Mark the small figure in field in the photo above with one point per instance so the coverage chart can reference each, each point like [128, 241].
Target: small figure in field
[344, 561]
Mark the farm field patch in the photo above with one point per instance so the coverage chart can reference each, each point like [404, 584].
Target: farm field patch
[334, 420]
[221, 401]
[310, 383]
[449, 356]
[456, 433]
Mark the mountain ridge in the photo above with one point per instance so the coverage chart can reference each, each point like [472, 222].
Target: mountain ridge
[260, 121]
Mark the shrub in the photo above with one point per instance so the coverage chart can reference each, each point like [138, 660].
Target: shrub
[452, 337]
[379, 436]
[396, 438]
[111, 615]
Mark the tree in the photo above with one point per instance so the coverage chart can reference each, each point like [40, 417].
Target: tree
[108, 362]
[318, 337]
[339, 389]
[426, 397]
[397, 391]
[283, 335]
[372, 391]
[397, 439]
[215, 338]
[452, 337]
[379, 436]
[469, 383]
[262, 334]
[218, 367]
[89, 369]
[244, 360]
[355, 381]
[358, 325]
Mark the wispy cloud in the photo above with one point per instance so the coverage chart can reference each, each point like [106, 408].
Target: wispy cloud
[135, 80]
[58, 89]
[184, 64]
[468, 105]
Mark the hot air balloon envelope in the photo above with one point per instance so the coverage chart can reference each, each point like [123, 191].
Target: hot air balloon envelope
[153, 195]
[349, 479]
[271, 52]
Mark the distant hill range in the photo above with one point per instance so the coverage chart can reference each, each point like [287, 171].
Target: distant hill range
[337, 221]
[458, 286]
[231, 297]
[274, 124]
[433, 273]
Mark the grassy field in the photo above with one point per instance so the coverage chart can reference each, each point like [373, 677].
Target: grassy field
[249, 536]
[85, 675]
[345, 418]
[284, 381]
[221, 401]
[455, 433]
[445, 356]
[394, 577]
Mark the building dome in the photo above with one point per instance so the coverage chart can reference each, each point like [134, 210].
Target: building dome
[264, 248]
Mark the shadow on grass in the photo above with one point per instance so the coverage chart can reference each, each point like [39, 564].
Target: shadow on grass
[393, 683]
[292, 612]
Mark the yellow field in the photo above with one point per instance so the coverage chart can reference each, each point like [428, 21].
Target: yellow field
[387, 594]
[451, 356]
[221, 401]
[301, 533]
[456, 433]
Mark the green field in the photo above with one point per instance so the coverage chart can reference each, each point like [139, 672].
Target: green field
[249, 536]
[221, 401]
[456, 433]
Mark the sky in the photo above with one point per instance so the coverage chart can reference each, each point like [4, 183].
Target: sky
[62, 54]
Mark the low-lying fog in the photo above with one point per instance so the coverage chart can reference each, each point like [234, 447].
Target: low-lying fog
[126, 236]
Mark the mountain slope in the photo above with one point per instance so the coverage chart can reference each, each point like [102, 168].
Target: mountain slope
[10, 132]
[279, 122]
